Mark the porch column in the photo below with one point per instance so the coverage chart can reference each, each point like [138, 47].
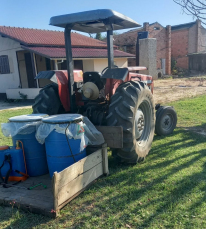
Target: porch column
[34, 67]
[55, 65]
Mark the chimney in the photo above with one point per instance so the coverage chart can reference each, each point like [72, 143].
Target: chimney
[146, 26]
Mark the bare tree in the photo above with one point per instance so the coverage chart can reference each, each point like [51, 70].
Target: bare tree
[197, 8]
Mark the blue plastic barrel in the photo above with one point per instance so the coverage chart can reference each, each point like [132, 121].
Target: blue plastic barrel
[35, 152]
[58, 152]
[17, 161]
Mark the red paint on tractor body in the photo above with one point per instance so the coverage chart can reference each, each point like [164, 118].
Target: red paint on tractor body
[63, 89]
[110, 87]
[112, 84]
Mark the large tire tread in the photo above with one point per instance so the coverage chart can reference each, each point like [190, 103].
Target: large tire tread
[47, 101]
[122, 112]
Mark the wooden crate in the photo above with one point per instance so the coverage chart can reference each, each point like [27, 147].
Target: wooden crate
[64, 186]
[67, 184]
[75, 179]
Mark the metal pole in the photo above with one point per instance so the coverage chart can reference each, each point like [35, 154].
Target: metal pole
[137, 51]
[110, 48]
[70, 67]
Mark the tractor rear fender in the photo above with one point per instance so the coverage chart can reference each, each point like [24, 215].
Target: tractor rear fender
[113, 84]
[60, 77]
[148, 80]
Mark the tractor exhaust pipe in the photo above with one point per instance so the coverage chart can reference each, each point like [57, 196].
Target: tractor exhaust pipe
[110, 48]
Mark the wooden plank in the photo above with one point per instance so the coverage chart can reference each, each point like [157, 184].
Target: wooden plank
[79, 183]
[113, 135]
[79, 168]
[74, 196]
[105, 160]
[55, 189]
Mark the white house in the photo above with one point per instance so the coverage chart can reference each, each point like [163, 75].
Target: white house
[25, 52]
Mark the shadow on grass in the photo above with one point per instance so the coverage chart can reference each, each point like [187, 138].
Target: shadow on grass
[141, 195]
[156, 184]
[16, 218]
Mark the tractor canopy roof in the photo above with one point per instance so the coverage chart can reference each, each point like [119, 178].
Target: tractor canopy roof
[94, 21]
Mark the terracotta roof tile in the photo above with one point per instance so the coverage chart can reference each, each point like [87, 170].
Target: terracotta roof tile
[52, 52]
[48, 37]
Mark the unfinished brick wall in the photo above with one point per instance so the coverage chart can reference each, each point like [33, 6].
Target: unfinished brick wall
[202, 39]
[161, 37]
[197, 38]
[192, 42]
[127, 42]
[188, 40]
[179, 47]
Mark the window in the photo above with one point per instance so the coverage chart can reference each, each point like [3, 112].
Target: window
[125, 48]
[4, 65]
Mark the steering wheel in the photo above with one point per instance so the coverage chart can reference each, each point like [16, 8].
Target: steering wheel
[104, 70]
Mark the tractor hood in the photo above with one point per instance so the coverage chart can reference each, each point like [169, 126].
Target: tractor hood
[57, 74]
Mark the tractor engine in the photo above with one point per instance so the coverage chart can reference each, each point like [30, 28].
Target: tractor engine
[94, 98]
[92, 92]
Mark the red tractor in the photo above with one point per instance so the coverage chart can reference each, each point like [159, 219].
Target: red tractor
[115, 97]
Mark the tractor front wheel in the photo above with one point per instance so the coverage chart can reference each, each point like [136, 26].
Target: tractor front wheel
[132, 107]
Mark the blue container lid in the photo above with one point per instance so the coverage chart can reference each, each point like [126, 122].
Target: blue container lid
[28, 118]
[63, 118]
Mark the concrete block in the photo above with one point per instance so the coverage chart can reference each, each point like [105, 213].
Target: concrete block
[148, 56]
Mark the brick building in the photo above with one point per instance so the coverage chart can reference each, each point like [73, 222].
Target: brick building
[127, 42]
[178, 42]
[187, 39]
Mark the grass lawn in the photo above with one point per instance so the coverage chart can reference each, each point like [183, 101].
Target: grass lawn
[167, 190]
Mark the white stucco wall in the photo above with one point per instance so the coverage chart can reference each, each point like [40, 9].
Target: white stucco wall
[30, 92]
[9, 47]
[99, 64]
[88, 65]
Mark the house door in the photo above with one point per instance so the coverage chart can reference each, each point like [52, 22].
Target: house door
[29, 71]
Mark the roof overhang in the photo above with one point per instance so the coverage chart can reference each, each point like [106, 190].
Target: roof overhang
[77, 53]
[94, 21]
[195, 54]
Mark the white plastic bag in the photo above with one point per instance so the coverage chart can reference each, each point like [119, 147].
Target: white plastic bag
[85, 131]
[11, 129]
[94, 136]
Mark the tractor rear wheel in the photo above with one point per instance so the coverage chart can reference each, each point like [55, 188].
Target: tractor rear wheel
[48, 101]
[132, 107]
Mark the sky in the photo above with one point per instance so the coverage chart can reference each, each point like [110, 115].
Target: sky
[36, 13]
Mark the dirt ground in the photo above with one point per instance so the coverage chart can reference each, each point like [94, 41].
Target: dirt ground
[167, 90]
